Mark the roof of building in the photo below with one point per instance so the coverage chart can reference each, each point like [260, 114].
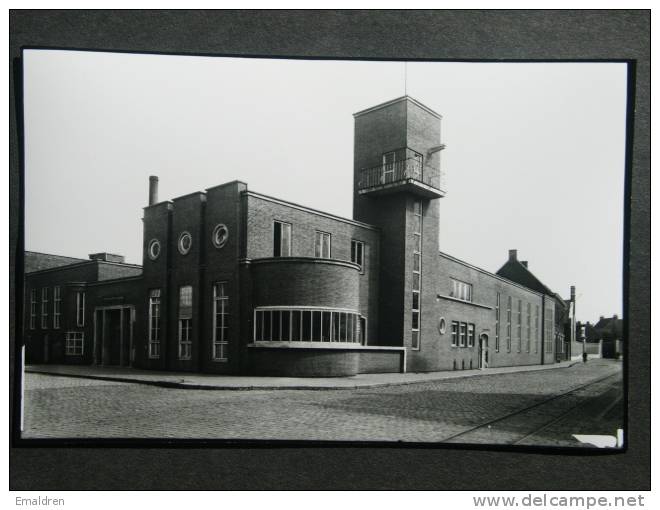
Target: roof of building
[515, 270]
[398, 100]
[476, 268]
[610, 326]
[37, 261]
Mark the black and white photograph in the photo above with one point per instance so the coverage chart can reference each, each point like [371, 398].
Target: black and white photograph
[258, 249]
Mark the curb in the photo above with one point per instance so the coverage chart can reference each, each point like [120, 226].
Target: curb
[196, 386]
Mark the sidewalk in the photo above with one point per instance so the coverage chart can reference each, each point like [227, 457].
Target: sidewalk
[184, 380]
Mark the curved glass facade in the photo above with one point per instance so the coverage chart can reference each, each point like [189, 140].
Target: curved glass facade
[307, 324]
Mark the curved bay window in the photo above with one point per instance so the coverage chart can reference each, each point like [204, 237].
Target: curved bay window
[291, 324]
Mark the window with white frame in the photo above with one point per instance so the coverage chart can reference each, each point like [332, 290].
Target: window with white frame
[307, 325]
[185, 322]
[322, 245]
[462, 334]
[461, 290]
[220, 321]
[454, 333]
[57, 306]
[470, 335]
[154, 323]
[529, 326]
[549, 329]
[416, 274]
[74, 343]
[44, 308]
[497, 323]
[80, 308]
[281, 239]
[536, 330]
[357, 253]
[33, 308]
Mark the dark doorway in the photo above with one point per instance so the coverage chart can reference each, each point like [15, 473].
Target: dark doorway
[114, 334]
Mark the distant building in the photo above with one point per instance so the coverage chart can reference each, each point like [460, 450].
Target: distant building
[237, 282]
[609, 330]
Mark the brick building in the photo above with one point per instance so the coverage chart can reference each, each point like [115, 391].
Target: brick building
[237, 282]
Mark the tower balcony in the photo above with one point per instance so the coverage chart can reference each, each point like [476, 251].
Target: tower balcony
[407, 175]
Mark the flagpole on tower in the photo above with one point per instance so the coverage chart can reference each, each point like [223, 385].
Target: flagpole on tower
[405, 78]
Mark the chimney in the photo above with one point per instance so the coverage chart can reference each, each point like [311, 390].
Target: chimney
[602, 317]
[107, 257]
[513, 255]
[615, 317]
[524, 263]
[153, 189]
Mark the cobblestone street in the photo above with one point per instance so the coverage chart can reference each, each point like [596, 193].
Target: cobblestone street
[64, 407]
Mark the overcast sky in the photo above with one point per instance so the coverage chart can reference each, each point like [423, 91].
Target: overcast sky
[534, 157]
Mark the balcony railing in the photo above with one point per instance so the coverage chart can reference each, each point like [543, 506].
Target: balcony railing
[405, 171]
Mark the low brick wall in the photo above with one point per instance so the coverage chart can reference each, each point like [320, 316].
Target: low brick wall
[374, 361]
[300, 362]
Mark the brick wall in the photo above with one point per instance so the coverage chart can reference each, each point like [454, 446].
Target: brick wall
[262, 212]
[437, 353]
[290, 281]
[157, 225]
[35, 261]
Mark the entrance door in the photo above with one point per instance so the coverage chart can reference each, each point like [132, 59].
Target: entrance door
[483, 351]
[114, 336]
[46, 349]
[389, 160]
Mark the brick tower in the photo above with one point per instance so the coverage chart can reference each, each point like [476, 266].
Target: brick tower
[397, 187]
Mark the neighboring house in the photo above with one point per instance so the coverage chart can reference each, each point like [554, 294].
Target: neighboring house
[558, 308]
[238, 282]
[609, 330]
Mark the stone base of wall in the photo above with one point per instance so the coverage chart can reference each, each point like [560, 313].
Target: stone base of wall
[326, 361]
[282, 362]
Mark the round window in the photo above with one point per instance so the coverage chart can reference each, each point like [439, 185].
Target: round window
[442, 326]
[153, 250]
[185, 243]
[220, 235]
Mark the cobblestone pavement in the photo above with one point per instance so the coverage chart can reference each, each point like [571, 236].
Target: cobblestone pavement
[62, 407]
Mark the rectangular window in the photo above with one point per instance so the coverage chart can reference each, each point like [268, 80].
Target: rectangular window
[357, 254]
[519, 328]
[220, 321]
[322, 245]
[529, 325]
[33, 308]
[185, 322]
[44, 308]
[296, 325]
[389, 162]
[306, 325]
[281, 239]
[470, 335]
[462, 334]
[316, 326]
[80, 308]
[508, 324]
[154, 323]
[536, 330]
[74, 343]
[461, 290]
[549, 329]
[454, 333]
[416, 273]
[57, 306]
[497, 323]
